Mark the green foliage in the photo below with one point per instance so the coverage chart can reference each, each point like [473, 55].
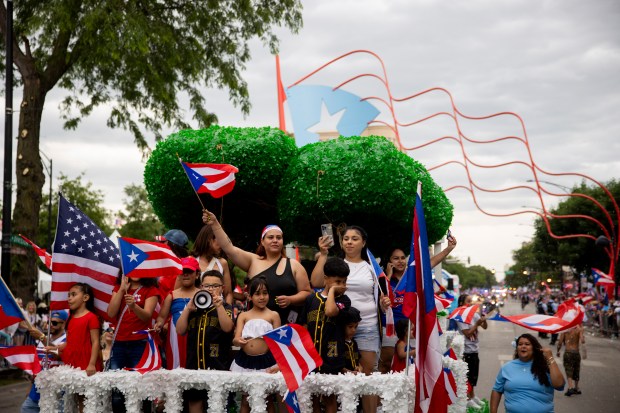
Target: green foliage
[262, 155]
[362, 181]
[140, 219]
[545, 254]
[138, 57]
[473, 276]
[82, 195]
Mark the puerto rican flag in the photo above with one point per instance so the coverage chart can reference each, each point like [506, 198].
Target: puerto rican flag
[292, 405]
[10, 312]
[464, 314]
[384, 287]
[45, 256]
[151, 359]
[543, 323]
[419, 306]
[145, 259]
[600, 278]
[292, 347]
[442, 303]
[450, 381]
[211, 178]
[22, 357]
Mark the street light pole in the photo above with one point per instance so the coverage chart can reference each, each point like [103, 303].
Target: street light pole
[50, 173]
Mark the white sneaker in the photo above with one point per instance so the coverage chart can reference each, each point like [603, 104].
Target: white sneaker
[473, 404]
[477, 400]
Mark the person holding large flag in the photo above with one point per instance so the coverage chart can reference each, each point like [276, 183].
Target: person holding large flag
[131, 307]
[469, 329]
[286, 277]
[363, 290]
[394, 270]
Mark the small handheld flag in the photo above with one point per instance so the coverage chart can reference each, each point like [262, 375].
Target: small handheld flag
[151, 359]
[211, 178]
[464, 314]
[10, 312]
[22, 357]
[144, 259]
[292, 347]
[45, 256]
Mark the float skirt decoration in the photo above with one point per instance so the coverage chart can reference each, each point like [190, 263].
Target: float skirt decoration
[396, 390]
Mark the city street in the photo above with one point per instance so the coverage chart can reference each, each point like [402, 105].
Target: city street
[600, 374]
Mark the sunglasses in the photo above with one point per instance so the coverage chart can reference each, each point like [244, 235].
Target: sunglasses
[55, 323]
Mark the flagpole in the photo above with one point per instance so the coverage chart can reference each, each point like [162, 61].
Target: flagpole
[407, 349]
[190, 180]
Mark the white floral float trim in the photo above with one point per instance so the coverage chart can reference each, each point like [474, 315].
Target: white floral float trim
[397, 391]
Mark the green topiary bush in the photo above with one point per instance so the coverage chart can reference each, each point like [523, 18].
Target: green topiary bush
[364, 181]
[262, 155]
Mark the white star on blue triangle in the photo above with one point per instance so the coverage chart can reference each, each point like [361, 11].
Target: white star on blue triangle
[131, 256]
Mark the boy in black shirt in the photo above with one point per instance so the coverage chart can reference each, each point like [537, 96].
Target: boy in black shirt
[210, 333]
[321, 317]
[351, 318]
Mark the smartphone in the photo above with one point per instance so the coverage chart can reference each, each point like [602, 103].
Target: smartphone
[327, 231]
[449, 235]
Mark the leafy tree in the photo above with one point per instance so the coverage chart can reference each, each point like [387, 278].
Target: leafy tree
[136, 57]
[140, 219]
[473, 276]
[544, 254]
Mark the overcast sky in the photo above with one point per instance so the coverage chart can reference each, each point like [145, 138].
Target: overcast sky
[554, 63]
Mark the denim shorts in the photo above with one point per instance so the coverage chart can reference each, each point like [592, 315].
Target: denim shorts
[368, 338]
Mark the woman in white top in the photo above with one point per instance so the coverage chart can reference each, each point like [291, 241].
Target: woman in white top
[208, 253]
[363, 290]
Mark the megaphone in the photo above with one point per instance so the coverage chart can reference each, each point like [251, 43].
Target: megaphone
[203, 300]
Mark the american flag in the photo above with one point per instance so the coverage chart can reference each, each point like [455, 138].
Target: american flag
[419, 306]
[144, 259]
[464, 314]
[45, 256]
[82, 253]
[292, 347]
[151, 358]
[211, 178]
[22, 357]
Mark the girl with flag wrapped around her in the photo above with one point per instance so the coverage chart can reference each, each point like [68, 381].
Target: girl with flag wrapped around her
[131, 307]
[363, 290]
[286, 277]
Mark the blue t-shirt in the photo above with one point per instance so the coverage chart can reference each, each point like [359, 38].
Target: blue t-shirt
[522, 391]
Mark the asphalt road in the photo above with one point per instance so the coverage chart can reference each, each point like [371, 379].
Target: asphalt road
[600, 372]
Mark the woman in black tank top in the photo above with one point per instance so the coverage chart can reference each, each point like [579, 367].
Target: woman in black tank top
[287, 279]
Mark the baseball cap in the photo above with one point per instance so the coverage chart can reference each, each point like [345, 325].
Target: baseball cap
[190, 263]
[176, 236]
[60, 314]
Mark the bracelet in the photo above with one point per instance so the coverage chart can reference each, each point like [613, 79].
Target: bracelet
[550, 361]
